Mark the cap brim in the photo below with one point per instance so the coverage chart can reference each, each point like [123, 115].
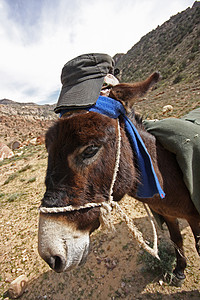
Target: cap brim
[80, 95]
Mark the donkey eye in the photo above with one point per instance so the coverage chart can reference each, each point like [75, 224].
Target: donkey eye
[90, 151]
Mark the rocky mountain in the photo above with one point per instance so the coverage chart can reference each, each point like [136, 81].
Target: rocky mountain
[24, 121]
[7, 101]
[28, 110]
[172, 48]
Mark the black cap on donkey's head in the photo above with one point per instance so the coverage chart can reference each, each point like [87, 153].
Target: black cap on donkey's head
[82, 79]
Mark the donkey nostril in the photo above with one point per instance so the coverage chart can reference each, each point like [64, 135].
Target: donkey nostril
[51, 262]
[57, 263]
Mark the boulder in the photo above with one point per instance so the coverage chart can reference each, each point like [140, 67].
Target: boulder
[32, 141]
[18, 286]
[15, 145]
[167, 108]
[40, 140]
[5, 151]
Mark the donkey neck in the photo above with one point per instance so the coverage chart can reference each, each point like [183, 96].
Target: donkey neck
[151, 146]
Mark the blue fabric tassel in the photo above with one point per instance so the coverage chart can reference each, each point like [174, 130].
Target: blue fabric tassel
[149, 184]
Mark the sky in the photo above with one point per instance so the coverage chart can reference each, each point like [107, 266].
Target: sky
[37, 37]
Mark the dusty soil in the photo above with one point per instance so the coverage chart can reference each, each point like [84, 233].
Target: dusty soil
[18, 128]
[183, 97]
[116, 268]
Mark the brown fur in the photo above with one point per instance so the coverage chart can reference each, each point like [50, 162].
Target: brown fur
[73, 178]
[127, 93]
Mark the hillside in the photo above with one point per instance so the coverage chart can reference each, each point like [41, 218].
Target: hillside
[20, 121]
[10, 107]
[11, 102]
[172, 48]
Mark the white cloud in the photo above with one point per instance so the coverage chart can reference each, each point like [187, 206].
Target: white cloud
[37, 40]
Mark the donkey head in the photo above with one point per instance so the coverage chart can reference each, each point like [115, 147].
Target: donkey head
[80, 165]
[81, 158]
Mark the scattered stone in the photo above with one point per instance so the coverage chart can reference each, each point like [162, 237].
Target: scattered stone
[33, 141]
[5, 152]
[18, 286]
[8, 280]
[40, 140]
[167, 108]
[110, 264]
[15, 145]
[99, 260]
[19, 153]
[161, 282]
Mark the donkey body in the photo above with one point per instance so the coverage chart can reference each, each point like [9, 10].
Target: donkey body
[82, 149]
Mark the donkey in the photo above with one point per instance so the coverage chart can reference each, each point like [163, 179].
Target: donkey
[81, 157]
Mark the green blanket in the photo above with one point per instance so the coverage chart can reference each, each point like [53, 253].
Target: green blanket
[182, 137]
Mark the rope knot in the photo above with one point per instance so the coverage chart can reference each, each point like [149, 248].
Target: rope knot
[106, 217]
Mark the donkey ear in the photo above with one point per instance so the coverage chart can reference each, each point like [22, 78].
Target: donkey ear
[127, 93]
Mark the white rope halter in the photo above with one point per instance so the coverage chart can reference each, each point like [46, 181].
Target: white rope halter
[107, 206]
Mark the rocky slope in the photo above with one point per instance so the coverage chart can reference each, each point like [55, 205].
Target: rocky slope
[172, 48]
[22, 121]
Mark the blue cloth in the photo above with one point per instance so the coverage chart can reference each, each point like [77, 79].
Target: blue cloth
[149, 184]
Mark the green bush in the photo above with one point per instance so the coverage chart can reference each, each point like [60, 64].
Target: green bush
[10, 178]
[13, 197]
[27, 167]
[162, 266]
[31, 180]
[195, 47]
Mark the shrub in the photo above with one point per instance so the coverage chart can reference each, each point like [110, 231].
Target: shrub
[195, 47]
[178, 78]
[13, 197]
[171, 61]
[182, 65]
[10, 178]
[162, 266]
[31, 180]
[27, 167]
[191, 56]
